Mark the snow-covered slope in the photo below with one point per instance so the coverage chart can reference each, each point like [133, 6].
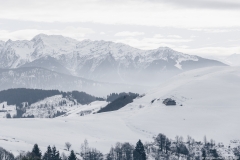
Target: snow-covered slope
[207, 103]
[85, 110]
[100, 60]
[50, 107]
[210, 106]
[57, 106]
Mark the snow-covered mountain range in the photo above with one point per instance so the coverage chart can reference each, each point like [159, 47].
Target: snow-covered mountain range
[99, 60]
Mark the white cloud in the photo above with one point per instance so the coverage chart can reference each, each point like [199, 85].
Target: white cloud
[131, 12]
[129, 34]
[209, 51]
[214, 30]
[209, 4]
[158, 36]
[76, 33]
[174, 36]
[154, 42]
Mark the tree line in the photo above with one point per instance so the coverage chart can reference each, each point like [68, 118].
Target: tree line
[121, 100]
[113, 96]
[18, 96]
[162, 148]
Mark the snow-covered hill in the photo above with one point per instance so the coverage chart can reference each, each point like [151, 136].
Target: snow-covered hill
[57, 106]
[99, 60]
[207, 104]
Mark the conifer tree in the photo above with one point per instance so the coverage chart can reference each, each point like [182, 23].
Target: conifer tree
[204, 154]
[36, 152]
[48, 154]
[72, 156]
[55, 154]
[139, 152]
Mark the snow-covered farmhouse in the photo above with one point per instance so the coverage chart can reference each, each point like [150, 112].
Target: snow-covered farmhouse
[169, 102]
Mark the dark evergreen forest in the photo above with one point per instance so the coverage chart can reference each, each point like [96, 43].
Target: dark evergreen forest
[113, 96]
[19, 95]
[118, 101]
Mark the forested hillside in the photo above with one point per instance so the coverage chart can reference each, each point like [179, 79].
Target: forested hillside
[122, 100]
[19, 95]
[113, 96]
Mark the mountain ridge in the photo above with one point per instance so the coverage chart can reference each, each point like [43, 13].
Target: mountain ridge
[41, 78]
[104, 61]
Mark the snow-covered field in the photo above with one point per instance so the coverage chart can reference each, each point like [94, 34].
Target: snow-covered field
[208, 103]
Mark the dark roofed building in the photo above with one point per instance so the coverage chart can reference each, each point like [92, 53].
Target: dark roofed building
[169, 102]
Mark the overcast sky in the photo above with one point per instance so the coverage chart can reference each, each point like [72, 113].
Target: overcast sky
[202, 27]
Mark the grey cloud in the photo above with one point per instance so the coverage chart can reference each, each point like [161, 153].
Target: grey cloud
[207, 4]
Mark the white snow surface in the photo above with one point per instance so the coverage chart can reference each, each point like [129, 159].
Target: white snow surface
[88, 109]
[210, 99]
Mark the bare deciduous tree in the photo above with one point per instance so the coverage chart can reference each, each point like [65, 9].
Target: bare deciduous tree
[68, 145]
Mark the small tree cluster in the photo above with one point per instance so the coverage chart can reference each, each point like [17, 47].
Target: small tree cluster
[88, 153]
[121, 151]
[51, 154]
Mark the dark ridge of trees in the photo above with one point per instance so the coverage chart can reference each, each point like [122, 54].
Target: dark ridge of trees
[100, 99]
[20, 95]
[118, 103]
[113, 96]
[81, 97]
